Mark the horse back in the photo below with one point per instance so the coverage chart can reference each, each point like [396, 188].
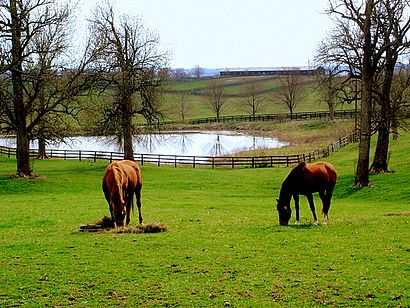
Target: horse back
[321, 173]
[133, 174]
[309, 178]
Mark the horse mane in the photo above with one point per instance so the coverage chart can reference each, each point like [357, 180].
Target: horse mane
[295, 172]
[117, 188]
[292, 176]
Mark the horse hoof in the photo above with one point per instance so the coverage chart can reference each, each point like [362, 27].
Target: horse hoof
[316, 222]
[296, 222]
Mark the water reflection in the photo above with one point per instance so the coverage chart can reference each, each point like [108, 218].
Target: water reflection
[195, 143]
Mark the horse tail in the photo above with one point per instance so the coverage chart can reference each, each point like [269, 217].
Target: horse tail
[332, 177]
[138, 186]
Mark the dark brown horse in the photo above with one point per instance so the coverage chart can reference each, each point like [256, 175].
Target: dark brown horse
[305, 179]
[121, 181]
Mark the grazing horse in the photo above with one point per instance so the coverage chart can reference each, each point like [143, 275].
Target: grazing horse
[121, 180]
[305, 179]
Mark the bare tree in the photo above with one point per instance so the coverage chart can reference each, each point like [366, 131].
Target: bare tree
[394, 17]
[331, 88]
[252, 93]
[291, 91]
[197, 71]
[183, 108]
[361, 42]
[180, 74]
[400, 99]
[215, 96]
[33, 44]
[129, 64]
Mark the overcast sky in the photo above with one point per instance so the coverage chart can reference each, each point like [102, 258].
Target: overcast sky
[232, 33]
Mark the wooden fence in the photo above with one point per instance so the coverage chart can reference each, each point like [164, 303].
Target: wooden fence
[194, 161]
[276, 117]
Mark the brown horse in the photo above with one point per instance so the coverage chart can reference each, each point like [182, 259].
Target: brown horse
[121, 180]
[305, 179]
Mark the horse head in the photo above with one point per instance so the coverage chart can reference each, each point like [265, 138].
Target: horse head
[284, 211]
[118, 211]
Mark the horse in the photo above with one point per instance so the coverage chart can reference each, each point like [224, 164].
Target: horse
[305, 179]
[122, 179]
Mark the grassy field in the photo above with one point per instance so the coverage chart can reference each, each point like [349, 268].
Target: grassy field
[224, 247]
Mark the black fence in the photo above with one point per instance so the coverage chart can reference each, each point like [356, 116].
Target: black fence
[350, 114]
[194, 161]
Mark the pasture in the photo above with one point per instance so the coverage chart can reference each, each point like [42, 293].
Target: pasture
[196, 101]
[224, 248]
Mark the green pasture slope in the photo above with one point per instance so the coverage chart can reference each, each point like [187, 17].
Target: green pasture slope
[224, 248]
[194, 95]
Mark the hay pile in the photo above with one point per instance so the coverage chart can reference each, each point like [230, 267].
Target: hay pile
[151, 227]
[105, 225]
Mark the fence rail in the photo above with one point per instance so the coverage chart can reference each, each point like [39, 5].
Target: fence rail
[194, 161]
[341, 114]
[277, 117]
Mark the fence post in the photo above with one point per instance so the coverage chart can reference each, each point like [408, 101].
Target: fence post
[287, 161]
[233, 162]
[193, 162]
[213, 162]
[95, 156]
[159, 160]
[65, 155]
[79, 155]
[175, 157]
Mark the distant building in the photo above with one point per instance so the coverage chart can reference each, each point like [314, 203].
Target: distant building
[263, 71]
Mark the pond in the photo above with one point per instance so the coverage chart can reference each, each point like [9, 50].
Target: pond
[193, 143]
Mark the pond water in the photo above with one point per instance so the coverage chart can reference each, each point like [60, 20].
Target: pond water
[193, 143]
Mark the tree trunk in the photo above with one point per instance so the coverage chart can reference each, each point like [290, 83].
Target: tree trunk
[41, 154]
[382, 150]
[362, 170]
[379, 164]
[23, 150]
[127, 130]
[395, 131]
[331, 111]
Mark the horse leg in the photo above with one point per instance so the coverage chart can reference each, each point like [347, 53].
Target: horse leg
[129, 205]
[138, 197]
[312, 207]
[296, 198]
[107, 197]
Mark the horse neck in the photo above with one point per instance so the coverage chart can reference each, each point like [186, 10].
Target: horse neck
[285, 193]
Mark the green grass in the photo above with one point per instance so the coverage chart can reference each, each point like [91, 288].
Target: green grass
[225, 244]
